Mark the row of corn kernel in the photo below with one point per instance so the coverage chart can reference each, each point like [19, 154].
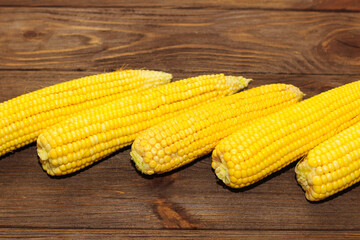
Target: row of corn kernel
[258, 148]
[332, 166]
[89, 118]
[85, 138]
[239, 160]
[273, 142]
[24, 117]
[180, 140]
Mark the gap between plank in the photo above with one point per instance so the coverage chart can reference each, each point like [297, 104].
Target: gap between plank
[190, 8]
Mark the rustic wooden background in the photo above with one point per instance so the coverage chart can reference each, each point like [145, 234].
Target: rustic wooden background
[313, 44]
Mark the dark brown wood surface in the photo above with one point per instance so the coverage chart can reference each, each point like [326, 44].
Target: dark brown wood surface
[314, 45]
[323, 5]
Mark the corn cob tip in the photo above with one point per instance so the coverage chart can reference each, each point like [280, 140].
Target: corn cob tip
[41, 151]
[306, 177]
[140, 164]
[44, 156]
[157, 75]
[30, 113]
[332, 166]
[152, 77]
[237, 83]
[298, 93]
[220, 168]
[300, 174]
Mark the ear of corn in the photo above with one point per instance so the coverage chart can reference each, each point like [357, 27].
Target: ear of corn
[182, 139]
[332, 166]
[272, 142]
[23, 117]
[89, 136]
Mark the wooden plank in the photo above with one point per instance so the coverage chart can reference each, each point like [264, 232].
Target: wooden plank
[339, 5]
[199, 40]
[172, 234]
[112, 194]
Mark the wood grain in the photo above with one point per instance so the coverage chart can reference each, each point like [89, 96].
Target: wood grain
[172, 234]
[199, 40]
[113, 195]
[311, 44]
[337, 5]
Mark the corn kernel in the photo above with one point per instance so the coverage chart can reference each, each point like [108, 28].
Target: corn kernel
[97, 132]
[340, 169]
[291, 133]
[196, 132]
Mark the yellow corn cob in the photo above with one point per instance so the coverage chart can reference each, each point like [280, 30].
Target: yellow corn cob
[332, 166]
[272, 142]
[182, 139]
[23, 117]
[89, 136]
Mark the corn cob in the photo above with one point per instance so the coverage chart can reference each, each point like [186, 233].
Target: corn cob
[182, 139]
[25, 116]
[88, 137]
[332, 166]
[272, 142]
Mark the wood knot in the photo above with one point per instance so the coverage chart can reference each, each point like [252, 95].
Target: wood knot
[344, 45]
[30, 34]
[172, 216]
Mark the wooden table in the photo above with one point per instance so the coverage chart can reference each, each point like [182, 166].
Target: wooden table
[314, 45]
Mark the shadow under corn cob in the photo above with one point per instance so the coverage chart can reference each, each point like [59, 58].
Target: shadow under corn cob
[195, 133]
[24, 117]
[272, 142]
[90, 136]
